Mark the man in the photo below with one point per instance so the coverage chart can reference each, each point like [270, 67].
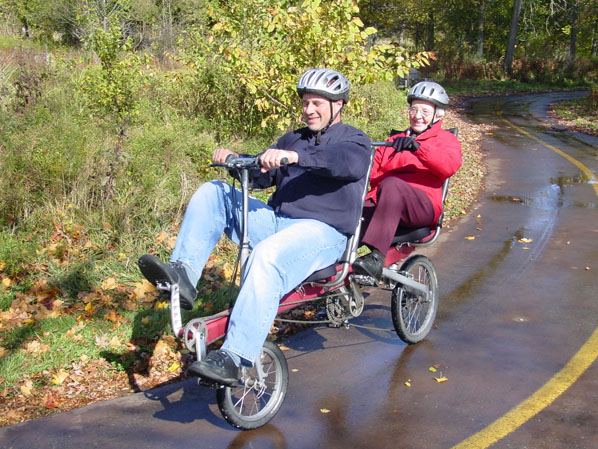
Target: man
[406, 180]
[303, 228]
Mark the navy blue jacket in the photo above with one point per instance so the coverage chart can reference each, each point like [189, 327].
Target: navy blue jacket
[328, 181]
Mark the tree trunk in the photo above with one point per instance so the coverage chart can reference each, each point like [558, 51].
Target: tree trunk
[480, 43]
[430, 32]
[512, 37]
[594, 51]
[573, 36]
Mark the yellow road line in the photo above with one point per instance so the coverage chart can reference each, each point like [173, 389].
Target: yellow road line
[538, 401]
[586, 171]
[560, 382]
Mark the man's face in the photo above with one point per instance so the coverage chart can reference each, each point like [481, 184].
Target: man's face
[421, 114]
[316, 111]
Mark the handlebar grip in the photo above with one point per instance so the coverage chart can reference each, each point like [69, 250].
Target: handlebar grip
[229, 157]
[284, 161]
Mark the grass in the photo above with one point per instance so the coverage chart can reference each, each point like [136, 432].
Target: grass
[580, 114]
[477, 88]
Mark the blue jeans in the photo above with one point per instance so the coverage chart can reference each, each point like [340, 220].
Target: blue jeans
[284, 252]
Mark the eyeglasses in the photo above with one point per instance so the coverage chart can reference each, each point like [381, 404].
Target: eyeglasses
[425, 113]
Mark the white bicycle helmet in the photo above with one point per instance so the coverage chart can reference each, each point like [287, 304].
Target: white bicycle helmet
[429, 91]
[326, 82]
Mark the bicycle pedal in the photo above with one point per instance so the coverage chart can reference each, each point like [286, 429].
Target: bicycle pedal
[209, 384]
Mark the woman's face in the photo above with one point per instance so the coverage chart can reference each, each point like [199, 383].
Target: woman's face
[421, 114]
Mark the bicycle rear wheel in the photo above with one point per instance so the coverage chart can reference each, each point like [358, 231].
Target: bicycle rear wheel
[413, 312]
[257, 398]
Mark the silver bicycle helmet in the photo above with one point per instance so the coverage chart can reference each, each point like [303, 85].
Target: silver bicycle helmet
[326, 82]
[429, 91]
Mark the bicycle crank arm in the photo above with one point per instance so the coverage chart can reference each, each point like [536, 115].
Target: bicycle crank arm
[405, 281]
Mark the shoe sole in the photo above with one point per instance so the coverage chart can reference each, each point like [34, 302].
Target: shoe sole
[152, 269]
[211, 377]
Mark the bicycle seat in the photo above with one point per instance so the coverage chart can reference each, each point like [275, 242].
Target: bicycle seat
[411, 235]
[322, 274]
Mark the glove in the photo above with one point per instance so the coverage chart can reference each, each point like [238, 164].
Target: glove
[405, 143]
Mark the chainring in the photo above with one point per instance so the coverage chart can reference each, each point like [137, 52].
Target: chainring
[188, 334]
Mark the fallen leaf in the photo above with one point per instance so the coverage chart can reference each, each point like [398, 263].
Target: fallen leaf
[102, 341]
[588, 268]
[2, 265]
[294, 370]
[470, 237]
[111, 315]
[440, 379]
[35, 347]
[59, 377]
[109, 284]
[121, 257]
[26, 390]
[50, 401]
[115, 342]
[432, 369]
[161, 305]
[90, 308]
[525, 240]
[283, 348]
[6, 282]
[408, 383]
[145, 320]
[324, 410]
[175, 366]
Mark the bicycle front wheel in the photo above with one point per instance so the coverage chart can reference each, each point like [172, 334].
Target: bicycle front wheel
[260, 393]
[413, 312]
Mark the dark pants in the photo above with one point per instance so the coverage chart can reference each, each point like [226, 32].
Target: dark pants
[398, 204]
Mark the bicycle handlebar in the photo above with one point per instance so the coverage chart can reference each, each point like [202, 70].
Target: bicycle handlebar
[244, 162]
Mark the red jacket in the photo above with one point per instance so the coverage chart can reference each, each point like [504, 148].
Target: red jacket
[438, 158]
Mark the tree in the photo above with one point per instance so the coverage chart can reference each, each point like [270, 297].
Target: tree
[265, 45]
[508, 66]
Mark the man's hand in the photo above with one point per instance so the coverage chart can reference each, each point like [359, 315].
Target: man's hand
[272, 158]
[405, 143]
[220, 154]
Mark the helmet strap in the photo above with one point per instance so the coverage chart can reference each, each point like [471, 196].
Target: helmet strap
[332, 119]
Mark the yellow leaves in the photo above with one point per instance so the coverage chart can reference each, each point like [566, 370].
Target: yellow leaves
[59, 377]
[89, 308]
[166, 240]
[470, 237]
[440, 379]
[408, 383]
[2, 265]
[175, 366]
[324, 410]
[161, 305]
[6, 282]
[72, 333]
[145, 320]
[109, 284]
[35, 347]
[26, 389]
[525, 240]
[142, 288]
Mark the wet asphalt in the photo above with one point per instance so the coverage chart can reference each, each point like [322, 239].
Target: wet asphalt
[518, 303]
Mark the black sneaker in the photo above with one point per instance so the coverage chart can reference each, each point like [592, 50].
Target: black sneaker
[370, 265]
[218, 367]
[156, 271]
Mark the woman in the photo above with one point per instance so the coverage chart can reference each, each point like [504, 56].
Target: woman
[406, 180]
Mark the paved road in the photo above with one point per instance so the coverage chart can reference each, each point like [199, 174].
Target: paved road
[516, 333]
